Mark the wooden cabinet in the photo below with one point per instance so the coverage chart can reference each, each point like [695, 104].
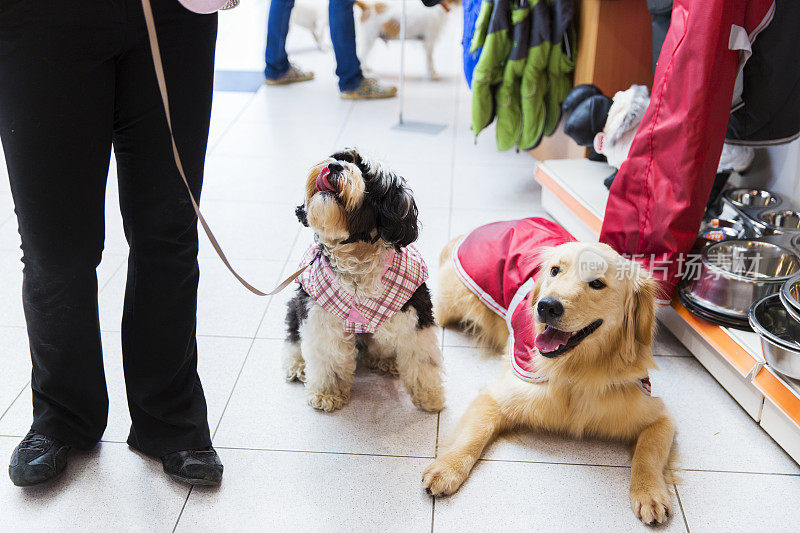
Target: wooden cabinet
[615, 45]
[614, 52]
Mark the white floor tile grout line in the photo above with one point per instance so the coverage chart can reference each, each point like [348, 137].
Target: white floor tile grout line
[680, 505]
[111, 277]
[483, 460]
[183, 507]
[433, 512]
[210, 149]
[745, 472]
[253, 341]
[323, 452]
[337, 140]
[10, 405]
[4, 222]
[449, 232]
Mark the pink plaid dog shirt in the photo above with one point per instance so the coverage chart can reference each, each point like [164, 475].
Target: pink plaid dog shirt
[403, 274]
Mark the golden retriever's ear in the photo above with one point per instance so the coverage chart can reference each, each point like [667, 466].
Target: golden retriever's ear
[534, 297]
[639, 313]
[543, 257]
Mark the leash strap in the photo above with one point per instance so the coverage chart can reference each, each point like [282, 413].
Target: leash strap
[162, 88]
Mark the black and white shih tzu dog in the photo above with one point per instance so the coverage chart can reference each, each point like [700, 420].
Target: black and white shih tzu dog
[364, 294]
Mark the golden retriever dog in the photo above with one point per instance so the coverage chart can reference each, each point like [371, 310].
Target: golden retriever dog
[591, 386]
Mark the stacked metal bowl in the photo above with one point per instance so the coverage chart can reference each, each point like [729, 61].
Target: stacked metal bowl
[748, 273]
[776, 318]
[732, 274]
[746, 254]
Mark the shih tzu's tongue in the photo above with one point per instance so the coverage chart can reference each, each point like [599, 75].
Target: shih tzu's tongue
[551, 339]
[322, 181]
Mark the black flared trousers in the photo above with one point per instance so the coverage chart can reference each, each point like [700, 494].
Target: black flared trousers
[76, 77]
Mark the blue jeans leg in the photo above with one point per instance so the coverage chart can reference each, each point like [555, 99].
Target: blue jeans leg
[343, 37]
[277, 28]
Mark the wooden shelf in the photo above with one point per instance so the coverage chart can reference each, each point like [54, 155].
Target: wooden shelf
[573, 193]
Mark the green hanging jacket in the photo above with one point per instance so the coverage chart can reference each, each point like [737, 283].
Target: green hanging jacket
[492, 31]
[507, 98]
[534, 78]
[562, 61]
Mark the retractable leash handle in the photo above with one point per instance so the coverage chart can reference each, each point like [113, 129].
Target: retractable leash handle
[208, 6]
[195, 5]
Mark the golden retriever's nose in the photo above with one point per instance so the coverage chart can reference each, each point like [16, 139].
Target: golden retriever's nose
[549, 308]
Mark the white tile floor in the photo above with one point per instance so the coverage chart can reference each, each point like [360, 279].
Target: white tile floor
[291, 468]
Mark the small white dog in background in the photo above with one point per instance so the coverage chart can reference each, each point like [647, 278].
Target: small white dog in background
[381, 20]
[313, 16]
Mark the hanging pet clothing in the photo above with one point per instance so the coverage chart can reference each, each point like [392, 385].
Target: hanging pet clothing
[561, 63]
[493, 34]
[507, 97]
[534, 77]
[659, 195]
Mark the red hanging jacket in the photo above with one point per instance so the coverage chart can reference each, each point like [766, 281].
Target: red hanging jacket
[658, 198]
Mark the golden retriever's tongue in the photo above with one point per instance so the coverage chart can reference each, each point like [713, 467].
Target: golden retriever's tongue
[551, 339]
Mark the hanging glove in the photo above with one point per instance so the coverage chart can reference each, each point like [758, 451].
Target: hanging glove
[534, 77]
[482, 25]
[489, 70]
[562, 61]
[576, 95]
[507, 98]
[588, 119]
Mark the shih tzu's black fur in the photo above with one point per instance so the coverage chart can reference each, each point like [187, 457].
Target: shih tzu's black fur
[421, 302]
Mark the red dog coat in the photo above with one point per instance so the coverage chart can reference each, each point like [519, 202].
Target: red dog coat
[498, 263]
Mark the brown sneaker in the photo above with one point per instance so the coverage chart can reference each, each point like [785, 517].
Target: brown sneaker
[369, 89]
[293, 75]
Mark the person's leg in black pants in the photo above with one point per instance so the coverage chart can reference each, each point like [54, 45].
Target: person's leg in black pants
[57, 80]
[165, 397]
[72, 77]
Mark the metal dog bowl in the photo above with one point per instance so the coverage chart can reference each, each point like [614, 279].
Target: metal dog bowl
[733, 274]
[780, 221]
[779, 335]
[721, 229]
[790, 296]
[749, 197]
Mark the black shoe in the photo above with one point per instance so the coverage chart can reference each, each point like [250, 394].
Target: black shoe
[37, 459]
[198, 467]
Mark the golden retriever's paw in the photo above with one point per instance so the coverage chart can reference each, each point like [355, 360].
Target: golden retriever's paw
[442, 479]
[328, 401]
[652, 506]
